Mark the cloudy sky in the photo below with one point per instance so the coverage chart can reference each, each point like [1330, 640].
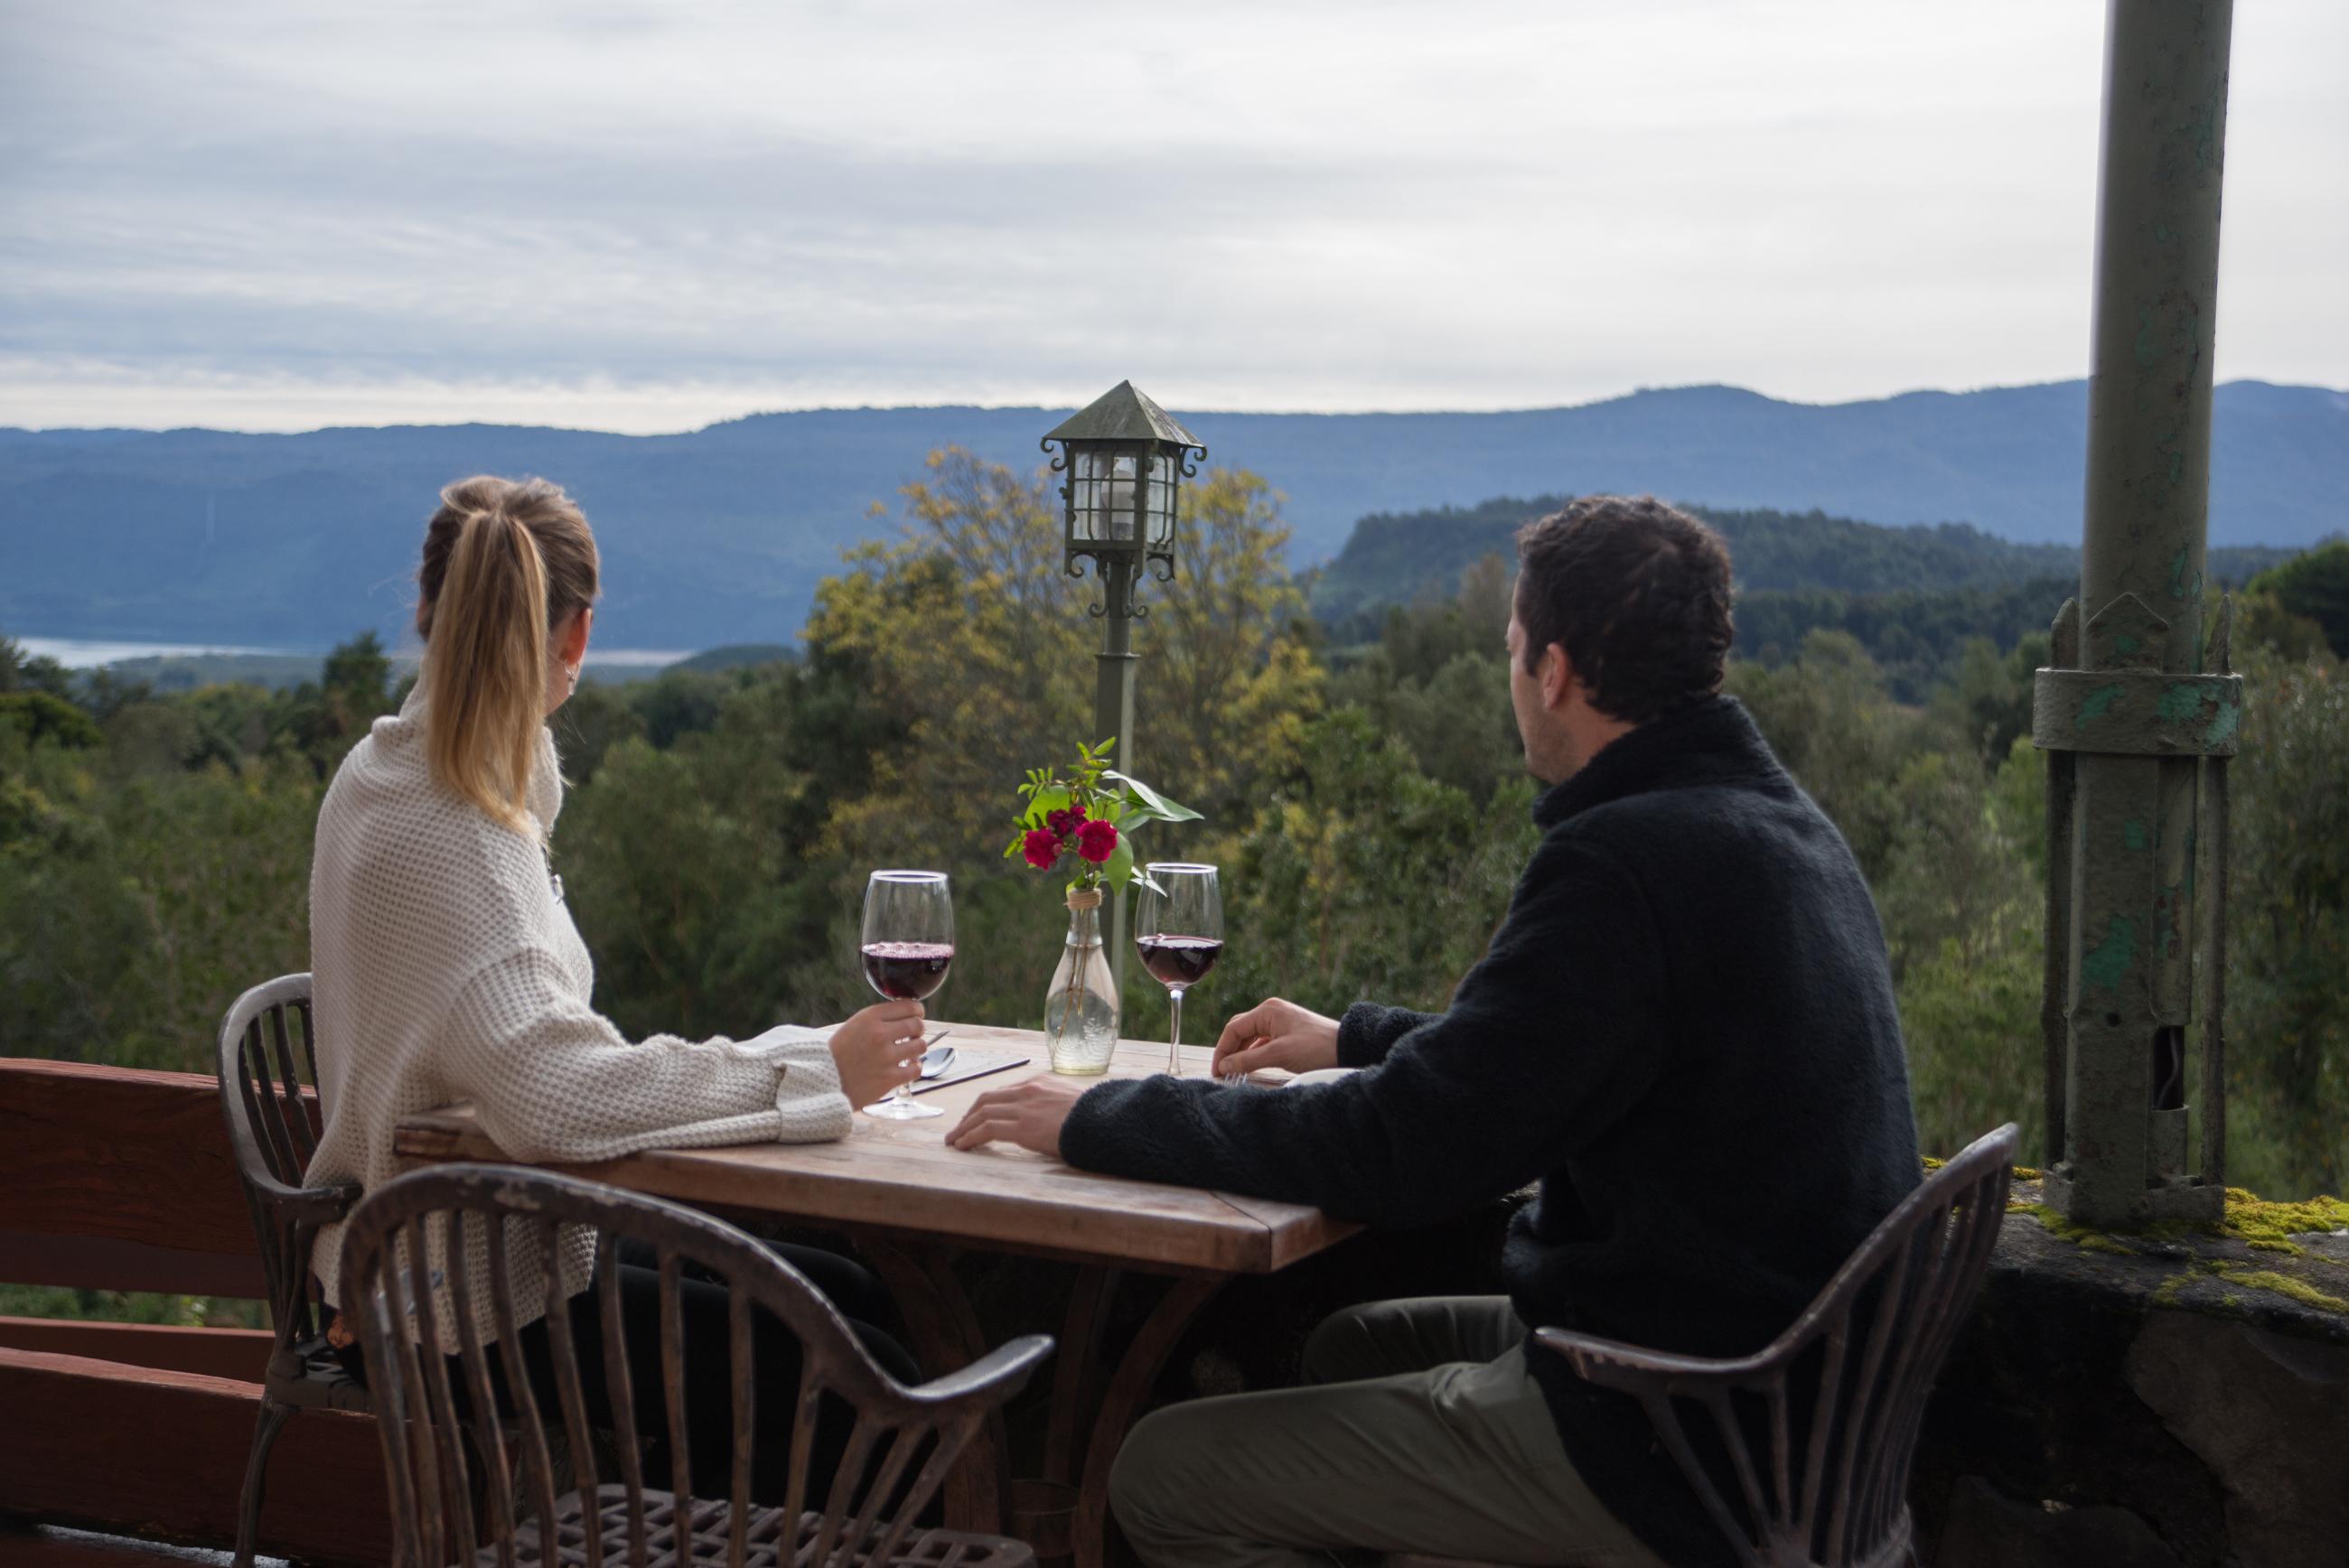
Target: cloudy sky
[647, 216]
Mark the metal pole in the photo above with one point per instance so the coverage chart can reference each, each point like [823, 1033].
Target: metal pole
[2138, 710]
[1114, 714]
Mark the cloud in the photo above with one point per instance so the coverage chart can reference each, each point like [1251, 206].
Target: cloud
[259, 213]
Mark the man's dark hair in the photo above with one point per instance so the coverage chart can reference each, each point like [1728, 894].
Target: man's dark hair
[1638, 595]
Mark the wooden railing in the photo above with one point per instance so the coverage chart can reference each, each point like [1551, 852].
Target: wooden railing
[119, 1179]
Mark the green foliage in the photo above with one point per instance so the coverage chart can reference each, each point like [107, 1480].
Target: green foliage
[2288, 949]
[1437, 679]
[138, 905]
[21, 672]
[1912, 597]
[1363, 878]
[1364, 781]
[37, 715]
[1919, 638]
[131, 1306]
[2315, 586]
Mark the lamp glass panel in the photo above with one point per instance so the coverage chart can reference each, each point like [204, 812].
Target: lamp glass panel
[1158, 508]
[1124, 475]
[1088, 485]
[1105, 485]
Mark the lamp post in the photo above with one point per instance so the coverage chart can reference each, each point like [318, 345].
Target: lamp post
[1125, 461]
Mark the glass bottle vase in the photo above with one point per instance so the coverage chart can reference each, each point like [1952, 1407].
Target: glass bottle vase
[1080, 1008]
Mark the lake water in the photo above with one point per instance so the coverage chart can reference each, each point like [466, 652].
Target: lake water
[80, 653]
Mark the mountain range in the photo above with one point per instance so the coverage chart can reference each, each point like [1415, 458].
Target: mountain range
[720, 535]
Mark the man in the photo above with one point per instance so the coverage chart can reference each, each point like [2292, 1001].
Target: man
[1684, 1030]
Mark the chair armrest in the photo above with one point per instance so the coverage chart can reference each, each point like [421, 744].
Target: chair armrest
[1611, 1364]
[304, 1205]
[1000, 1373]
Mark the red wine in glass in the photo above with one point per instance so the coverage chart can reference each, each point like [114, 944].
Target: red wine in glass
[1178, 933]
[1180, 960]
[909, 971]
[908, 948]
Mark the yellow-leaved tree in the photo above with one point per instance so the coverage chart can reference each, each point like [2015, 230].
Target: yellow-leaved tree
[972, 651]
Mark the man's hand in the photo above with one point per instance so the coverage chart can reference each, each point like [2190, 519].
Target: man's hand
[1276, 1034]
[877, 1049]
[1030, 1114]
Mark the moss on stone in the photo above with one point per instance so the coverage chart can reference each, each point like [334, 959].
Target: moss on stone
[2299, 1290]
[2185, 1248]
[2254, 1220]
[2063, 1230]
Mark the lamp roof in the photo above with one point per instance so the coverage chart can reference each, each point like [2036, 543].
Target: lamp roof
[1124, 413]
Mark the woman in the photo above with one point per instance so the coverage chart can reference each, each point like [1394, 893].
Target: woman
[446, 966]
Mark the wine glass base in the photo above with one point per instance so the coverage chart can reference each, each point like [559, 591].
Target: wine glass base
[902, 1110]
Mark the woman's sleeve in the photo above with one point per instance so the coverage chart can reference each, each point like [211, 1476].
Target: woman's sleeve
[552, 1080]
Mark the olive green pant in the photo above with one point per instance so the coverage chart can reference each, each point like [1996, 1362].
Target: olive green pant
[1420, 1431]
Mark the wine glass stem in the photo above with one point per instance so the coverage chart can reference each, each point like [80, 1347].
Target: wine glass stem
[1174, 1042]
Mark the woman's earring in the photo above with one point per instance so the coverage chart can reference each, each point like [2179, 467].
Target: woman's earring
[574, 671]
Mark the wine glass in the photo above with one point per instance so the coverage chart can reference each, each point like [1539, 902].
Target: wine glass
[1179, 935]
[908, 947]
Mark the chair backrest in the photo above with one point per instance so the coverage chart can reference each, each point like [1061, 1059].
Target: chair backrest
[429, 1428]
[268, 1052]
[1832, 1492]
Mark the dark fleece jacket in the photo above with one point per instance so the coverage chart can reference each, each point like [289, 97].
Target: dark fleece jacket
[1684, 1030]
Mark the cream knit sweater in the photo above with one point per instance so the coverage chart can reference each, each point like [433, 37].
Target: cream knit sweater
[446, 967]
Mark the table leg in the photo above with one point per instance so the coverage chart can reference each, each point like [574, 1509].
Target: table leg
[1045, 1508]
[946, 1337]
[979, 1494]
[1128, 1390]
[1075, 1371]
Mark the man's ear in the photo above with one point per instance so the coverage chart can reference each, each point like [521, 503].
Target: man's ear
[1557, 675]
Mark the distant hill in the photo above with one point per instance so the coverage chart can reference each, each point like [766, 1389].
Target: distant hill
[1395, 558]
[719, 536]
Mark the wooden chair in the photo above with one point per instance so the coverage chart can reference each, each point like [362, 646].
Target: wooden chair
[272, 1128]
[1836, 1497]
[495, 1212]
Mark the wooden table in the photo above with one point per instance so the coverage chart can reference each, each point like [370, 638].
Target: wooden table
[912, 1205]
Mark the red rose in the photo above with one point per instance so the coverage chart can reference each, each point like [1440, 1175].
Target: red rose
[1064, 824]
[1097, 841]
[1041, 846]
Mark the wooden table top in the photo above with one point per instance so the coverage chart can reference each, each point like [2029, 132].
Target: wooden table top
[900, 1176]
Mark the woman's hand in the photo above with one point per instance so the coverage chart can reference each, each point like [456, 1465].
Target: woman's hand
[877, 1049]
[1276, 1034]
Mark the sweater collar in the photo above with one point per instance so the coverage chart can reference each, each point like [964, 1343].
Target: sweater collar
[1712, 741]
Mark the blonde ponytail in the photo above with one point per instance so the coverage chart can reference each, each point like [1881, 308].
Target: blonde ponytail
[505, 562]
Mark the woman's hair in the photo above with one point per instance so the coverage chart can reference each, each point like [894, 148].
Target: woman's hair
[505, 562]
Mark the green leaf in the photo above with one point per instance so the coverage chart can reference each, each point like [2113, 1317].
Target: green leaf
[1152, 806]
[1120, 872]
[1044, 803]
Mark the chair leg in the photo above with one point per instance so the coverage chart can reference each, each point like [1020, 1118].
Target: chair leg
[256, 1473]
